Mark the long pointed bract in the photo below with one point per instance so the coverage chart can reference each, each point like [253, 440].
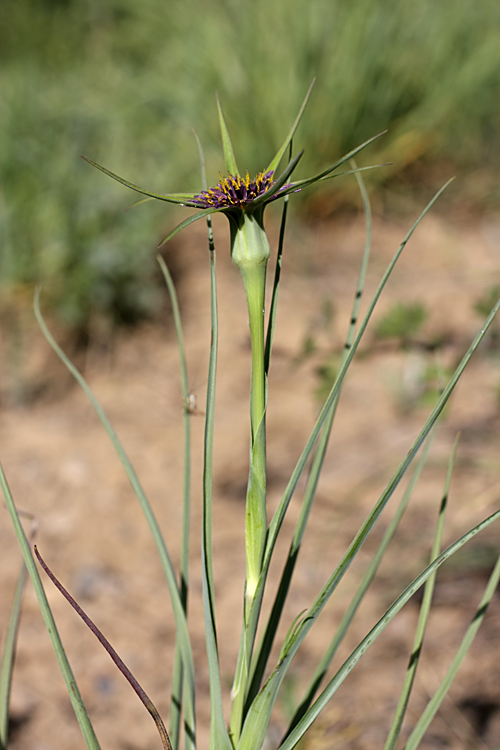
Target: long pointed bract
[183, 198]
[187, 222]
[227, 146]
[273, 166]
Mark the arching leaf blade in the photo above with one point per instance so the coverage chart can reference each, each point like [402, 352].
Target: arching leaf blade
[318, 706]
[273, 166]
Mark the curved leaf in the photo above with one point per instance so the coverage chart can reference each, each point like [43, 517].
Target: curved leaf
[369, 639]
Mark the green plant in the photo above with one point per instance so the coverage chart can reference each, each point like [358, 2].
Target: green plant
[126, 79]
[259, 675]
[402, 322]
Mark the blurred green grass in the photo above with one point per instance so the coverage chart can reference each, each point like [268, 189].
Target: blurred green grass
[125, 82]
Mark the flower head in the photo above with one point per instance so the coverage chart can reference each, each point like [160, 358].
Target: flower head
[234, 192]
[238, 196]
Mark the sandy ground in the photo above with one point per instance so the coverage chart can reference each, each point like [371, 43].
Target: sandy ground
[62, 468]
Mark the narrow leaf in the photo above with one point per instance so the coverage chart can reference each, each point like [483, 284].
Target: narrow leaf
[177, 676]
[252, 617]
[263, 702]
[140, 692]
[8, 656]
[260, 661]
[69, 678]
[423, 617]
[324, 664]
[165, 560]
[276, 283]
[434, 704]
[369, 639]
[279, 515]
[219, 738]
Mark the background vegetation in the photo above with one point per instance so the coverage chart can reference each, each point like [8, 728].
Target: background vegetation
[125, 82]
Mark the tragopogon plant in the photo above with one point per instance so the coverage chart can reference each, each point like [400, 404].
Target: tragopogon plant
[256, 686]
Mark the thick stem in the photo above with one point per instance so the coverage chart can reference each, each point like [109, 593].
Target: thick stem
[254, 279]
[250, 251]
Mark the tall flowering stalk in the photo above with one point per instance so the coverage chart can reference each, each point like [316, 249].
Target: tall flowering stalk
[255, 689]
[243, 201]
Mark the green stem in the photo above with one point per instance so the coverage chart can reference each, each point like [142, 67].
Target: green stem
[254, 277]
[250, 251]
[254, 280]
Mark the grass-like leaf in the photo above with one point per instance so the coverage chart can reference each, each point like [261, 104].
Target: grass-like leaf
[369, 639]
[328, 656]
[276, 283]
[423, 617]
[166, 562]
[140, 692]
[263, 703]
[252, 616]
[260, 659]
[434, 704]
[219, 738]
[8, 656]
[69, 678]
[177, 674]
[283, 505]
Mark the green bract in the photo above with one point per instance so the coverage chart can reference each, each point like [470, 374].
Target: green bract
[261, 191]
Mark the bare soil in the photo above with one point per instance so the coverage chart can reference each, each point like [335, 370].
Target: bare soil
[62, 469]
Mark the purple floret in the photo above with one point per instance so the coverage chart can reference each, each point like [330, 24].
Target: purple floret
[233, 191]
